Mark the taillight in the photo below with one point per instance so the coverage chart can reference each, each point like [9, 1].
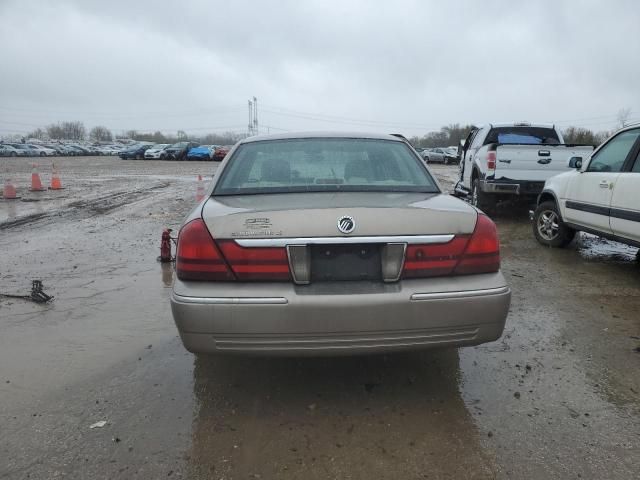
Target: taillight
[464, 255]
[432, 260]
[197, 257]
[200, 257]
[491, 160]
[482, 254]
[263, 263]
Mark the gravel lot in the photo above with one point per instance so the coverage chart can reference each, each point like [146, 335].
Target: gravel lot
[557, 397]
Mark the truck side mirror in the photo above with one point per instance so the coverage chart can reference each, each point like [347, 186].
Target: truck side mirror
[575, 162]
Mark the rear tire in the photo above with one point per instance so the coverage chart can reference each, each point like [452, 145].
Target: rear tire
[480, 199]
[14, 154]
[548, 227]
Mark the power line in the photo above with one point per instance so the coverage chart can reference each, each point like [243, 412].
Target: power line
[344, 120]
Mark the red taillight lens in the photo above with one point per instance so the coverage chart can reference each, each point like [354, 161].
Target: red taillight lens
[433, 260]
[264, 263]
[491, 160]
[197, 257]
[464, 255]
[483, 251]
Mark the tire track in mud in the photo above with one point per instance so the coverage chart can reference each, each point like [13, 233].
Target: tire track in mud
[88, 208]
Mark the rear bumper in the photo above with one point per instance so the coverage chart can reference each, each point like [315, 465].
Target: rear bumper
[512, 187]
[324, 320]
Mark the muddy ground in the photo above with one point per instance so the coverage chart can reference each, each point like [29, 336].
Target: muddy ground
[557, 397]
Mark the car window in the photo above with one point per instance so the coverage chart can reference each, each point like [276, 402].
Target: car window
[523, 135]
[478, 138]
[611, 157]
[324, 165]
[636, 166]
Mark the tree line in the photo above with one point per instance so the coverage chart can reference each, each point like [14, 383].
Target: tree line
[76, 131]
[449, 135]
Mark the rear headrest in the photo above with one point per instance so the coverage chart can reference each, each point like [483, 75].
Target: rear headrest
[276, 170]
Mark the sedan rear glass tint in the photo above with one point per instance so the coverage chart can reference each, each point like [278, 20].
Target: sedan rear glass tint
[324, 165]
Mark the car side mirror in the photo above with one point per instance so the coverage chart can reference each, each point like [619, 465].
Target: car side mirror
[575, 162]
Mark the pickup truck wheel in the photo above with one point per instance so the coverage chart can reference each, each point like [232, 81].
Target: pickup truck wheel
[548, 227]
[480, 199]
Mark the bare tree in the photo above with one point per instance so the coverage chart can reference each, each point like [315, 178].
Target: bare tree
[182, 135]
[73, 130]
[100, 134]
[55, 132]
[38, 133]
[623, 117]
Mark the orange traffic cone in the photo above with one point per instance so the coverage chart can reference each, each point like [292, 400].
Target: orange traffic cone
[9, 190]
[56, 184]
[200, 189]
[36, 183]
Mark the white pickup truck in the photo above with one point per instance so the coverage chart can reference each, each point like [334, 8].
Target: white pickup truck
[503, 160]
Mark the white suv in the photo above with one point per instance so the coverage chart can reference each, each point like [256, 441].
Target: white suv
[601, 196]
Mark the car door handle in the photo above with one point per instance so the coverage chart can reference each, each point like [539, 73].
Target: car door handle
[604, 184]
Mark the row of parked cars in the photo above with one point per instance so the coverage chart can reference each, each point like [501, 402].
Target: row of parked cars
[53, 149]
[138, 151]
[176, 151]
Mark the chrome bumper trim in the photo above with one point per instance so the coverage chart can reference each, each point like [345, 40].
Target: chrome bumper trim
[230, 300]
[463, 294]
[283, 241]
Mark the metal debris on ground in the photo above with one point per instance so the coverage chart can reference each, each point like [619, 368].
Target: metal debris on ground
[37, 294]
[99, 424]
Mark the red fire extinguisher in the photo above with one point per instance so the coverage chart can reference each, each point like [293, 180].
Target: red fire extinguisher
[165, 246]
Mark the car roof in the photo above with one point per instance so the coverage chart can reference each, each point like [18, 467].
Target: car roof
[321, 134]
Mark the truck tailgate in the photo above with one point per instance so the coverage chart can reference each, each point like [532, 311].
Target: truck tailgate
[535, 162]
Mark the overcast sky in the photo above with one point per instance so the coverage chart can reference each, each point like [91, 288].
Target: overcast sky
[388, 66]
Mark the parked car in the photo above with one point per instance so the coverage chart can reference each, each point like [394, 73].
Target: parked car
[82, 150]
[431, 156]
[220, 152]
[203, 152]
[27, 149]
[506, 160]
[75, 150]
[156, 152]
[44, 151]
[331, 245]
[441, 155]
[600, 196]
[7, 150]
[135, 152]
[178, 151]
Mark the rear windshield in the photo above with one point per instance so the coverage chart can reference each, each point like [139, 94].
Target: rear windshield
[324, 165]
[526, 135]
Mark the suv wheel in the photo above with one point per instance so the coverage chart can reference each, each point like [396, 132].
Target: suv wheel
[480, 199]
[548, 227]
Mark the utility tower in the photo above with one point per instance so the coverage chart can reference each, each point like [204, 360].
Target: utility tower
[252, 126]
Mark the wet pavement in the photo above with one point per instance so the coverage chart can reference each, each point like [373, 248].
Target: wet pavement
[558, 396]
